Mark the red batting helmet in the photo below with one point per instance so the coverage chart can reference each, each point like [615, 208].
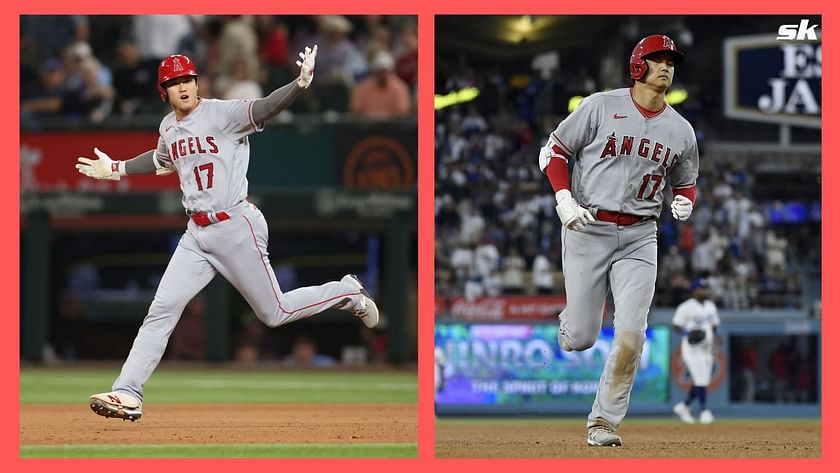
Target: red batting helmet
[174, 66]
[648, 45]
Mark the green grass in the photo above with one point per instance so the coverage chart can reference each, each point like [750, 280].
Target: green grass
[378, 450]
[190, 386]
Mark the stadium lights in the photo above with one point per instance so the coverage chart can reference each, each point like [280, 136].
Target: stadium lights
[673, 97]
[455, 97]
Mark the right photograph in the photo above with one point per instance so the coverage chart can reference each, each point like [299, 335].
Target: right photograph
[628, 236]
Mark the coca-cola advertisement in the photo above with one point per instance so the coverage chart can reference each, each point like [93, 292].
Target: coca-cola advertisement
[502, 308]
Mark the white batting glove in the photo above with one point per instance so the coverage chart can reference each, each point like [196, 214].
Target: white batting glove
[102, 168]
[307, 66]
[573, 216]
[681, 208]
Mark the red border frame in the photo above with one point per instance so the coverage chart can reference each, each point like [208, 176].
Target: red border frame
[425, 9]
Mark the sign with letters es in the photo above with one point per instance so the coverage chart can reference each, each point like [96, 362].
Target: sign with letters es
[774, 79]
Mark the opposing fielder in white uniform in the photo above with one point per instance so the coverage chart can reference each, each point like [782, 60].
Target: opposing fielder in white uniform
[206, 142]
[697, 321]
[625, 144]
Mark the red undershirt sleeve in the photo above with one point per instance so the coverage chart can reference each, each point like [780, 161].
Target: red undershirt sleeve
[558, 174]
[689, 193]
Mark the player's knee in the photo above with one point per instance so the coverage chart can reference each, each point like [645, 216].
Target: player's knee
[579, 340]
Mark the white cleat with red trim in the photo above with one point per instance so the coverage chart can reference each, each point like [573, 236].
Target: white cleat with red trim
[365, 307]
[119, 405]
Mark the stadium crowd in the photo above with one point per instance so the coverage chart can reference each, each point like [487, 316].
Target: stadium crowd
[90, 68]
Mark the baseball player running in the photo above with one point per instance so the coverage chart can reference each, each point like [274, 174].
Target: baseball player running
[206, 142]
[625, 144]
[697, 321]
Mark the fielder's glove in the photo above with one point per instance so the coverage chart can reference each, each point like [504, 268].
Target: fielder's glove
[573, 216]
[696, 336]
[307, 66]
[102, 168]
[681, 208]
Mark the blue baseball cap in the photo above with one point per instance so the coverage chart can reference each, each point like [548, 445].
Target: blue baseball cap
[699, 283]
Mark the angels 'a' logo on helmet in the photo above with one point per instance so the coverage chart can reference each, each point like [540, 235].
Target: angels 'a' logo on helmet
[176, 65]
[668, 43]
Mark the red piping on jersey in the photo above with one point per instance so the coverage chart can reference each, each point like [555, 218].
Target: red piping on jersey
[251, 114]
[277, 297]
[647, 113]
[566, 152]
[558, 174]
[689, 192]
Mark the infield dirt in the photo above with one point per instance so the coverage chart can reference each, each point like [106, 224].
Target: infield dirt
[658, 438]
[60, 424]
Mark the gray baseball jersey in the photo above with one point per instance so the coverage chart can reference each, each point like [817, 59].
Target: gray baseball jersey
[209, 148]
[698, 358]
[623, 155]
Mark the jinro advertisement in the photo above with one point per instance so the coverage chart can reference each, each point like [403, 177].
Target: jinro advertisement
[522, 364]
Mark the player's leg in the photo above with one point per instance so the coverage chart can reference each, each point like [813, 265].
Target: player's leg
[188, 273]
[586, 258]
[242, 257]
[632, 279]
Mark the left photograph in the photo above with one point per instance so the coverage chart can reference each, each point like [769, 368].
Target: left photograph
[218, 226]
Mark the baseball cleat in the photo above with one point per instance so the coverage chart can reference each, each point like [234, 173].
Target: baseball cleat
[602, 437]
[706, 417]
[365, 309]
[120, 405]
[681, 410]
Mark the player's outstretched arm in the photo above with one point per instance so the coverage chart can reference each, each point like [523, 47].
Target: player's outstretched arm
[109, 169]
[281, 98]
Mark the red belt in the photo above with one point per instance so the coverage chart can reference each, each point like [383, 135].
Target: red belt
[203, 219]
[620, 218]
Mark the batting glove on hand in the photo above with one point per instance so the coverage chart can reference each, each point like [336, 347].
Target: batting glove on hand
[573, 216]
[102, 168]
[681, 208]
[307, 66]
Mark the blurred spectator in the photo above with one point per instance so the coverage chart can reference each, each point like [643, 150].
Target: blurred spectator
[748, 360]
[189, 339]
[46, 36]
[406, 62]
[382, 94]
[248, 345]
[134, 80]
[238, 43]
[49, 98]
[305, 355]
[339, 59]
[543, 275]
[238, 85]
[513, 276]
[779, 365]
[158, 36]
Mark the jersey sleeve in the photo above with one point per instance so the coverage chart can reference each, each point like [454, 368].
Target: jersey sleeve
[680, 315]
[161, 155]
[684, 172]
[573, 133]
[235, 117]
[715, 316]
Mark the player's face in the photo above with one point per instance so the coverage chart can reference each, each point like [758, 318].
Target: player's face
[660, 70]
[182, 93]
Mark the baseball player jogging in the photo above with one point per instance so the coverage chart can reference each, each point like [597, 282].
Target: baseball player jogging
[206, 142]
[697, 321]
[625, 144]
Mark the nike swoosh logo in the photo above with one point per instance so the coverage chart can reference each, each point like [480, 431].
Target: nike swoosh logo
[168, 128]
[617, 116]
